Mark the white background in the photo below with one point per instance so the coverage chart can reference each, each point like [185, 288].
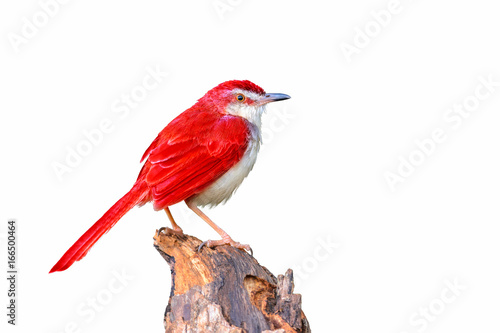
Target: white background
[320, 178]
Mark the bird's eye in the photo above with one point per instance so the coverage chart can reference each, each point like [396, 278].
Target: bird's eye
[240, 97]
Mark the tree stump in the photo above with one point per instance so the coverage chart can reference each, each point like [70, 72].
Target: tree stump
[225, 290]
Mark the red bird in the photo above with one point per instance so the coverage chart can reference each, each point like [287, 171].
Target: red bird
[201, 157]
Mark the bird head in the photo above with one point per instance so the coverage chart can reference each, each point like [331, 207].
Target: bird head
[240, 98]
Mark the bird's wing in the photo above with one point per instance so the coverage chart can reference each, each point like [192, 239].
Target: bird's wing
[190, 154]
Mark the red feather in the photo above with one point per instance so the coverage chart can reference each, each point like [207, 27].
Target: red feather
[187, 156]
[78, 250]
[193, 151]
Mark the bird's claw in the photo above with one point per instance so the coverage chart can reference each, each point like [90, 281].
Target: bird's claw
[169, 231]
[159, 231]
[202, 245]
[212, 243]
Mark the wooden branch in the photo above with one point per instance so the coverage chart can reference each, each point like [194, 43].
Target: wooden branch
[225, 290]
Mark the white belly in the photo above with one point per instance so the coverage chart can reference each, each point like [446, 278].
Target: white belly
[224, 187]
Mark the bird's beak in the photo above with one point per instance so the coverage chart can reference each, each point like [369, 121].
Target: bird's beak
[268, 98]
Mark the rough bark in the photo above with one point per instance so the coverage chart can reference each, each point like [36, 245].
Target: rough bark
[225, 290]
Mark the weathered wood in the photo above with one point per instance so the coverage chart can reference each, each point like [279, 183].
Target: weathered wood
[225, 290]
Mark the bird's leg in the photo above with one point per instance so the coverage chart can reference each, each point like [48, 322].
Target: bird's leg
[171, 218]
[226, 239]
[175, 228]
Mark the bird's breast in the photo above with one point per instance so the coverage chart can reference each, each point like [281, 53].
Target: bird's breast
[223, 188]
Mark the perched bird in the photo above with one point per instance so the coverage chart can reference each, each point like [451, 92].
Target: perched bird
[200, 157]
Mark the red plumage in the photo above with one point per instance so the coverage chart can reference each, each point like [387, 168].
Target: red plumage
[78, 250]
[180, 166]
[187, 156]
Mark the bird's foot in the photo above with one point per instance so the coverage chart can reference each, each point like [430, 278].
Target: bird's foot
[168, 231]
[226, 241]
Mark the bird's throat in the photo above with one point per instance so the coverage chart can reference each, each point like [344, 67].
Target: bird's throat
[251, 113]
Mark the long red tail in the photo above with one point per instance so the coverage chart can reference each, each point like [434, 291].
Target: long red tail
[78, 250]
